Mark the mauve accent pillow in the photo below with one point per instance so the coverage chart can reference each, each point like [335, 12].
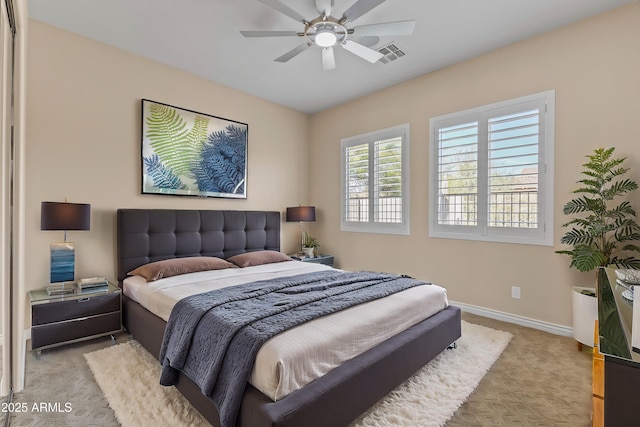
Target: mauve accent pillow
[249, 259]
[175, 266]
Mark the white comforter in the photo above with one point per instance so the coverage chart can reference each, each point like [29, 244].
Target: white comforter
[296, 357]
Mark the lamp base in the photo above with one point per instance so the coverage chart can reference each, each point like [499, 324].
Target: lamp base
[63, 256]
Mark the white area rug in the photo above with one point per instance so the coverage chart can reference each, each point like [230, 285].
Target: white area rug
[427, 399]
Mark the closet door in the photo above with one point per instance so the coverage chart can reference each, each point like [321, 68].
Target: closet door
[6, 173]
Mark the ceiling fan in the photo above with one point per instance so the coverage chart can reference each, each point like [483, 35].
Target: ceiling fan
[326, 32]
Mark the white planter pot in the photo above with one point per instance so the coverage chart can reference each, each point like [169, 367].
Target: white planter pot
[585, 313]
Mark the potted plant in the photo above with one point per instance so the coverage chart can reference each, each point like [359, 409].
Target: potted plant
[309, 245]
[601, 231]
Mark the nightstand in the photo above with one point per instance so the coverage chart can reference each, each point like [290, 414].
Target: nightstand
[82, 315]
[320, 259]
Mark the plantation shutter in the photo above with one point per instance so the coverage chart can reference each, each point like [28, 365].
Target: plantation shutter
[490, 172]
[357, 194]
[457, 181]
[388, 181]
[375, 181]
[513, 169]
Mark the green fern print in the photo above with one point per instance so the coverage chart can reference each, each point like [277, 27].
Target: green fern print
[177, 147]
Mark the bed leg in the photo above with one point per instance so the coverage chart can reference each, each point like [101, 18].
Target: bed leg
[453, 345]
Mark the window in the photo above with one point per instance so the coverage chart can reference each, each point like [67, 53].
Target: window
[492, 172]
[375, 182]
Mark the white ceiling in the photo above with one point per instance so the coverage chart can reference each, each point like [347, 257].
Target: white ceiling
[202, 37]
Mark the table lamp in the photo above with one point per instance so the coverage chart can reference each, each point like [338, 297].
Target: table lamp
[301, 214]
[63, 217]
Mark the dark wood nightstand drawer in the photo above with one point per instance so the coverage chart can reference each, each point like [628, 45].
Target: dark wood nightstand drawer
[80, 328]
[91, 305]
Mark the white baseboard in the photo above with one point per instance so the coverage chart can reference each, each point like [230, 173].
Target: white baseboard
[518, 320]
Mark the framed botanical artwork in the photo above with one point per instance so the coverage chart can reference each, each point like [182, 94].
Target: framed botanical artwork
[186, 153]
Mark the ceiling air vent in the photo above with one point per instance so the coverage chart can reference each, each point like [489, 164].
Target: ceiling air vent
[391, 52]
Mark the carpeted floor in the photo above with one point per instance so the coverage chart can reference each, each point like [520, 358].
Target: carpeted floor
[540, 380]
[3, 414]
[3, 399]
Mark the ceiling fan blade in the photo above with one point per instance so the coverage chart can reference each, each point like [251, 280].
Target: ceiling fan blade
[358, 9]
[293, 52]
[325, 7]
[362, 51]
[269, 33]
[328, 59]
[400, 28]
[284, 9]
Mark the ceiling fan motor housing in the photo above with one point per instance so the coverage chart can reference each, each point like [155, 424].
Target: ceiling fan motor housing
[325, 31]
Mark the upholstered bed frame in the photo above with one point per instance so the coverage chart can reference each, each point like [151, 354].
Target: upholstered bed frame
[337, 398]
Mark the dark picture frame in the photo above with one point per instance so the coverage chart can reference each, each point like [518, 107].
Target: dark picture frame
[186, 153]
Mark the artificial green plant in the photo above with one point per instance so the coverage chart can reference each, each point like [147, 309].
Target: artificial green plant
[310, 242]
[603, 228]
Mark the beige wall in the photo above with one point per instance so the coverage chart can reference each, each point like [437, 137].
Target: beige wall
[594, 66]
[83, 143]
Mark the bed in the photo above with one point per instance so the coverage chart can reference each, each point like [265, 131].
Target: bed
[335, 398]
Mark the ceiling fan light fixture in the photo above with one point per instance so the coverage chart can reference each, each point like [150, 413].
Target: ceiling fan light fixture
[326, 38]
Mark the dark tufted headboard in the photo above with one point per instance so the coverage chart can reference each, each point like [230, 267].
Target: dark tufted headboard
[147, 235]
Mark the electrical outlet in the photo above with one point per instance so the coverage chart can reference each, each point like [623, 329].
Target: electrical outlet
[515, 292]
